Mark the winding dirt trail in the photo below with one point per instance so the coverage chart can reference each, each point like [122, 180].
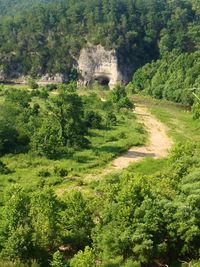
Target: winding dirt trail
[158, 145]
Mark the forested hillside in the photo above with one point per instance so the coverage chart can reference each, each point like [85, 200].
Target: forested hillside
[15, 7]
[176, 74]
[46, 39]
[174, 77]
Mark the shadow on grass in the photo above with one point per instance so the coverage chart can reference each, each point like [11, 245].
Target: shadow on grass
[136, 154]
[112, 149]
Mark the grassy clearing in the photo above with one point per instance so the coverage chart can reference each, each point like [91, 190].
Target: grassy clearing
[14, 86]
[182, 128]
[30, 170]
[178, 118]
[148, 166]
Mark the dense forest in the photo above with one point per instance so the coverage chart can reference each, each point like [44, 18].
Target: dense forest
[47, 38]
[174, 77]
[56, 140]
[13, 8]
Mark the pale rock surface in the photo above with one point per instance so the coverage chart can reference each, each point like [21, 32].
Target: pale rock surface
[97, 63]
[47, 79]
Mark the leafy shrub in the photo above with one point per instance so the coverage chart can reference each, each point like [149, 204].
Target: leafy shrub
[119, 97]
[36, 109]
[196, 111]
[84, 258]
[44, 173]
[58, 260]
[44, 94]
[111, 119]
[32, 84]
[60, 171]
[51, 87]
[93, 119]
[3, 168]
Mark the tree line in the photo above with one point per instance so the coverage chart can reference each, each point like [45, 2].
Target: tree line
[50, 124]
[47, 38]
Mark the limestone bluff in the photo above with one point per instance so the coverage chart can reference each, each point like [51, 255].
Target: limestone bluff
[94, 63]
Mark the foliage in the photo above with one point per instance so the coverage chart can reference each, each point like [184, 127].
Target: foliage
[33, 224]
[84, 258]
[149, 217]
[171, 77]
[48, 139]
[93, 119]
[196, 111]
[139, 31]
[58, 260]
[32, 84]
[77, 221]
[119, 97]
[3, 168]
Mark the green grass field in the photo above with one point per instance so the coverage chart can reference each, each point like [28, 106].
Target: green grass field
[30, 170]
[181, 128]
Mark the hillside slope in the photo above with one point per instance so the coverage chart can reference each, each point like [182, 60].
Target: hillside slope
[47, 39]
[13, 7]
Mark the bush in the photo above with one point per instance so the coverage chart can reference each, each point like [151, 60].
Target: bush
[93, 119]
[44, 93]
[44, 173]
[119, 97]
[51, 87]
[3, 168]
[60, 172]
[32, 84]
[196, 111]
[111, 119]
[84, 258]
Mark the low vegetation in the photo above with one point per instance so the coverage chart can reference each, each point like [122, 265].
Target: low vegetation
[52, 138]
[57, 137]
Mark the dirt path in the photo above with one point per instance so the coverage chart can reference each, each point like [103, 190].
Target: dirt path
[158, 146]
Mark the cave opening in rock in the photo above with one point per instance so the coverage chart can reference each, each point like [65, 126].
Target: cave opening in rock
[102, 80]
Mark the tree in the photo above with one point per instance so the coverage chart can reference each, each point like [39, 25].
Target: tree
[76, 220]
[48, 139]
[58, 260]
[45, 220]
[67, 107]
[84, 258]
[16, 230]
[119, 97]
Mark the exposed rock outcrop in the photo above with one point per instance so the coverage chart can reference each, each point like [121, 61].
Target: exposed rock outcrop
[47, 79]
[97, 63]
[42, 80]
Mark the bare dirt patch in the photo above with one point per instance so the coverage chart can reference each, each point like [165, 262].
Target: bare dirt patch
[158, 145]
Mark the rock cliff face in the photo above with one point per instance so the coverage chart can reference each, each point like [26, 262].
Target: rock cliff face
[42, 80]
[96, 63]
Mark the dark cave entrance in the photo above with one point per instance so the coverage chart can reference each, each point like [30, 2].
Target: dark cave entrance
[102, 80]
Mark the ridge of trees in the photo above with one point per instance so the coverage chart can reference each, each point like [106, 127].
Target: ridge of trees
[46, 39]
[174, 77]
